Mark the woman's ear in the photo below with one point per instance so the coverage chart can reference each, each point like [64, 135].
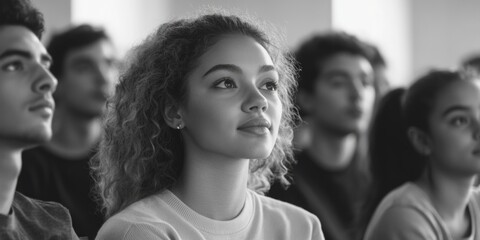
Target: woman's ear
[173, 116]
[419, 140]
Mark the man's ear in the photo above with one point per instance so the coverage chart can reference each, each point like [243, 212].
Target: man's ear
[173, 116]
[420, 141]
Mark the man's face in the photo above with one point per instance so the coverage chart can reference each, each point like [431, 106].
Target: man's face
[343, 95]
[88, 79]
[26, 87]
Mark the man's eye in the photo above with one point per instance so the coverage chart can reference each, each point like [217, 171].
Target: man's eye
[338, 81]
[270, 86]
[459, 121]
[13, 66]
[225, 83]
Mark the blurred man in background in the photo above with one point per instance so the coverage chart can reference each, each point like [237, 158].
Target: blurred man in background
[336, 95]
[84, 63]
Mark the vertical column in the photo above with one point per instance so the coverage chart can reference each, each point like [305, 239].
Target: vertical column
[57, 14]
[128, 21]
[444, 33]
[384, 23]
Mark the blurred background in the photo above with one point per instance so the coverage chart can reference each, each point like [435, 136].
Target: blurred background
[413, 35]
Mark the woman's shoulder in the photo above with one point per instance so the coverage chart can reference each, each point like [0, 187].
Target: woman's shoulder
[408, 194]
[143, 219]
[410, 198]
[405, 213]
[121, 228]
[287, 216]
[402, 222]
[278, 207]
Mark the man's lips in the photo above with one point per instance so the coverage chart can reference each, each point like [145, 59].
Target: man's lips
[44, 106]
[355, 112]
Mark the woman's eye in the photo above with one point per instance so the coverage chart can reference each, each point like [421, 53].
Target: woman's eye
[270, 86]
[14, 66]
[225, 83]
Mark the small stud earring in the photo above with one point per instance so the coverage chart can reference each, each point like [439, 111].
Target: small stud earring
[179, 126]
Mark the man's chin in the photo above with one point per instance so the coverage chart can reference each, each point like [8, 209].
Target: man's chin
[33, 139]
[28, 139]
[347, 129]
[93, 112]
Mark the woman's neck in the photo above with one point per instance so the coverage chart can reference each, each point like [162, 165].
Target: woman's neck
[450, 197]
[215, 188]
[10, 166]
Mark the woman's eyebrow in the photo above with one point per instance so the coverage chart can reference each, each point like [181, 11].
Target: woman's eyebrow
[228, 67]
[266, 68]
[455, 108]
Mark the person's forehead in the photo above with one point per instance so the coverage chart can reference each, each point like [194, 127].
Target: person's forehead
[235, 48]
[13, 37]
[100, 50]
[345, 60]
[462, 92]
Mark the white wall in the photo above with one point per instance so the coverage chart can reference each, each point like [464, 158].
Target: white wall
[414, 35]
[383, 23]
[127, 21]
[444, 32]
[57, 14]
[296, 19]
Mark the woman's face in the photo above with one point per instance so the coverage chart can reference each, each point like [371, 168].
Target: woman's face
[233, 109]
[455, 128]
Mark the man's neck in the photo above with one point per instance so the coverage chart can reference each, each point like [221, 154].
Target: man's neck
[74, 137]
[10, 166]
[333, 151]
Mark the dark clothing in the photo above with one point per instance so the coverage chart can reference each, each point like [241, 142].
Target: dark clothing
[335, 197]
[48, 177]
[34, 219]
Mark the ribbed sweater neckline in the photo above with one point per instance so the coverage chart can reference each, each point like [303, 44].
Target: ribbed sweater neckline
[208, 225]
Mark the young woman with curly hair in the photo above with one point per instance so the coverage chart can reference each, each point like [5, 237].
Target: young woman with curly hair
[200, 124]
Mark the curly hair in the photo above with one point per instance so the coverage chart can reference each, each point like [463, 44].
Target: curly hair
[139, 154]
[22, 13]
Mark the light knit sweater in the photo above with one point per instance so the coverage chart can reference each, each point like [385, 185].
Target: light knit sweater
[407, 213]
[164, 216]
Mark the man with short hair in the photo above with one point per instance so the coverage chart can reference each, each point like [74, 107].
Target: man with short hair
[85, 66]
[336, 95]
[26, 106]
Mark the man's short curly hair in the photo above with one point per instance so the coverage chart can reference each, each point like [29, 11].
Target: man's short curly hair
[140, 154]
[21, 13]
[312, 54]
[62, 43]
